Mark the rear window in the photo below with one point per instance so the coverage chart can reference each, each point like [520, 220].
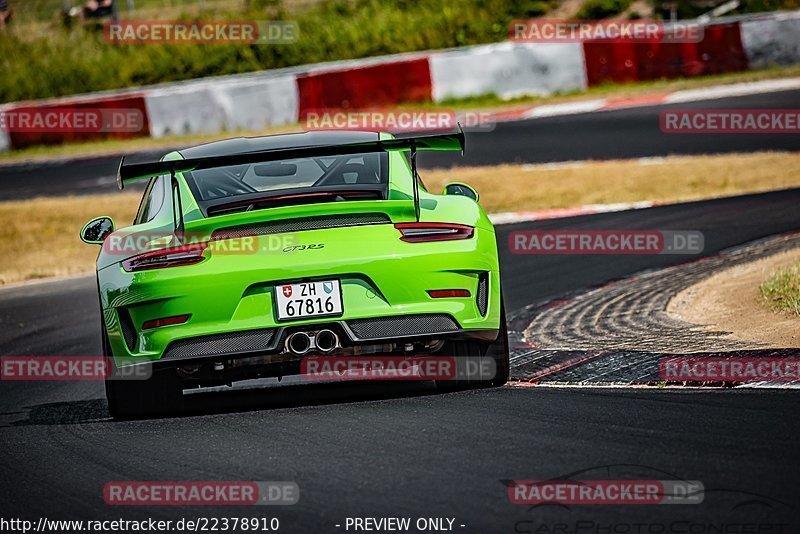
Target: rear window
[305, 173]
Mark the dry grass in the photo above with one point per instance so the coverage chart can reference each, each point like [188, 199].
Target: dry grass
[40, 236]
[781, 289]
[730, 301]
[531, 187]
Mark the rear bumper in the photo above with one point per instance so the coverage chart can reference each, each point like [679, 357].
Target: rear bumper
[226, 348]
[350, 333]
[230, 298]
[225, 359]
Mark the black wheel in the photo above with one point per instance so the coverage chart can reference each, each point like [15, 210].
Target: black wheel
[497, 350]
[131, 396]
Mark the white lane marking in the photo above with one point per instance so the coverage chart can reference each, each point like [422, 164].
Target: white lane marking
[728, 91]
[567, 108]
[686, 95]
[658, 160]
[769, 385]
[555, 166]
[557, 385]
[561, 213]
[42, 281]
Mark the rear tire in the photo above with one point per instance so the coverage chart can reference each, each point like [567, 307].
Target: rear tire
[159, 394]
[497, 350]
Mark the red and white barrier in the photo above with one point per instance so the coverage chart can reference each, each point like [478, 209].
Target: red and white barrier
[509, 69]
[184, 110]
[258, 104]
[719, 51]
[128, 100]
[230, 105]
[377, 85]
[5, 140]
[773, 40]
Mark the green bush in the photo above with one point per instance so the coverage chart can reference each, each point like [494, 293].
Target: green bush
[600, 9]
[74, 61]
[686, 9]
[535, 8]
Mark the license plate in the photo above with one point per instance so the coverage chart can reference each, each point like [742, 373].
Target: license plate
[310, 299]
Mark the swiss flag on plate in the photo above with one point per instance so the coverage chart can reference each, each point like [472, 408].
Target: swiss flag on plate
[287, 291]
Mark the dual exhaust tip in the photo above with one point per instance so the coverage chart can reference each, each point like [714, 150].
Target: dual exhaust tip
[302, 342]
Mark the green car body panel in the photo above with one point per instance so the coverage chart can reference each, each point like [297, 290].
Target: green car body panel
[232, 289]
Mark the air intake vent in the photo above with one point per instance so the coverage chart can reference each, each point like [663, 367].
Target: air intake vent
[128, 330]
[482, 297]
[301, 224]
[220, 344]
[402, 326]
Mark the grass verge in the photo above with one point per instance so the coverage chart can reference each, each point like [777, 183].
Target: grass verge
[672, 179]
[47, 244]
[781, 289]
[41, 235]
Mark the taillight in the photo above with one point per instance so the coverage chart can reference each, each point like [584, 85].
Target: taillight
[169, 257]
[421, 232]
[165, 321]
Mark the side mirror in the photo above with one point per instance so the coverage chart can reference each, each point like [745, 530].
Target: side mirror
[97, 230]
[457, 188]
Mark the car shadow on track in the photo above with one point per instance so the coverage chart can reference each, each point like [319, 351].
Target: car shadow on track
[216, 402]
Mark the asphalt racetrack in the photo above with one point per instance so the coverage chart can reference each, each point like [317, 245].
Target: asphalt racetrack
[409, 450]
[394, 450]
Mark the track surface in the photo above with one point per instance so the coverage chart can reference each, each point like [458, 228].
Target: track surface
[409, 451]
[635, 133]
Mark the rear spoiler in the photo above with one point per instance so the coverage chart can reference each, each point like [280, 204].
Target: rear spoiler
[143, 171]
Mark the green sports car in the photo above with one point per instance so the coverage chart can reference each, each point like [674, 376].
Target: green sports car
[249, 254]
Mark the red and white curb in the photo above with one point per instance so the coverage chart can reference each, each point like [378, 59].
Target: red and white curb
[657, 99]
[514, 217]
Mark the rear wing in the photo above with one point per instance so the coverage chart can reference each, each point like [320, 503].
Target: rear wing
[144, 171]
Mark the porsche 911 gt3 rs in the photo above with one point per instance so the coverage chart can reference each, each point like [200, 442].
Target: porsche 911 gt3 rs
[248, 254]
